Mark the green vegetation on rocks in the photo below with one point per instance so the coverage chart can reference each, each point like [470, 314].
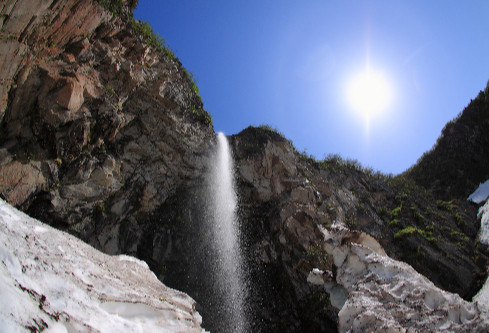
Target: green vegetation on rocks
[143, 29]
[405, 232]
[117, 6]
[150, 37]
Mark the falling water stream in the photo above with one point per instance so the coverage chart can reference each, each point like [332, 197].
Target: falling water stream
[225, 239]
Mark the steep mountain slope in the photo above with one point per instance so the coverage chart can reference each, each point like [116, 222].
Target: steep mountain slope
[459, 160]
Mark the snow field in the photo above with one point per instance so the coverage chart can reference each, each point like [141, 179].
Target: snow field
[51, 280]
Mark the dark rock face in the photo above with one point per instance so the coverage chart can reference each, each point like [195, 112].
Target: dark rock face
[457, 163]
[279, 209]
[100, 137]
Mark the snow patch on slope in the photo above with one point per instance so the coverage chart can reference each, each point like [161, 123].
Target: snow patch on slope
[481, 194]
[482, 297]
[49, 279]
[386, 295]
[484, 230]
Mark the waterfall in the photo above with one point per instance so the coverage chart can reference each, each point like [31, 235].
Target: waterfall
[223, 230]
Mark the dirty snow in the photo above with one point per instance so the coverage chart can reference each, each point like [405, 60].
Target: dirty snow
[49, 279]
[482, 300]
[385, 295]
[481, 194]
[484, 217]
[482, 297]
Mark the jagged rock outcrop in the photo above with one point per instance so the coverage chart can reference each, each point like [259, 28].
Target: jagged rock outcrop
[32, 32]
[50, 280]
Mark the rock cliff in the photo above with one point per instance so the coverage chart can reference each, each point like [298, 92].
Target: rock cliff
[99, 125]
[104, 135]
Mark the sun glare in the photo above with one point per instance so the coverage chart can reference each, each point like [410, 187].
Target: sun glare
[369, 93]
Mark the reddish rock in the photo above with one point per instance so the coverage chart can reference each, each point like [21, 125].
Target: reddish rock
[18, 181]
[90, 83]
[25, 20]
[69, 58]
[70, 96]
[11, 55]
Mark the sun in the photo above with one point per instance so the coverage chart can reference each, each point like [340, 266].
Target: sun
[369, 93]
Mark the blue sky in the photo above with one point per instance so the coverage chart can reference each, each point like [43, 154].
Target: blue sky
[288, 64]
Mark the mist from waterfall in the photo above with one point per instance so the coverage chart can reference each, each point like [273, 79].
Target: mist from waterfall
[223, 224]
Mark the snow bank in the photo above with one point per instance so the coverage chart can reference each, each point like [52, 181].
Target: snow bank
[482, 297]
[484, 230]
[385, 295]
[49, 279]
[481, 194]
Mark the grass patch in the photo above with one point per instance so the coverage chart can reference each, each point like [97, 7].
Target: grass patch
[150, 37]
[116, 7]
[110, 90]
[336, 164]
[269, 128]
[144, 30]
[317, 255]
[332, 210]
[201, 115]
[458, 220]
[393, 222]
[395, 212]
[458, 235]
[419, 217]
[428, 235]
[449, 206]
[382, 211]
[351, 221]
[153, 39]
[193, 86]
[405, 232]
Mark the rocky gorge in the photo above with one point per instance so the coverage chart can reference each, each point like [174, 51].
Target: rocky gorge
[104, 135]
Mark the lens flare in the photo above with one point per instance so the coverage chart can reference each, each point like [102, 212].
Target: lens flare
[369, 93]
